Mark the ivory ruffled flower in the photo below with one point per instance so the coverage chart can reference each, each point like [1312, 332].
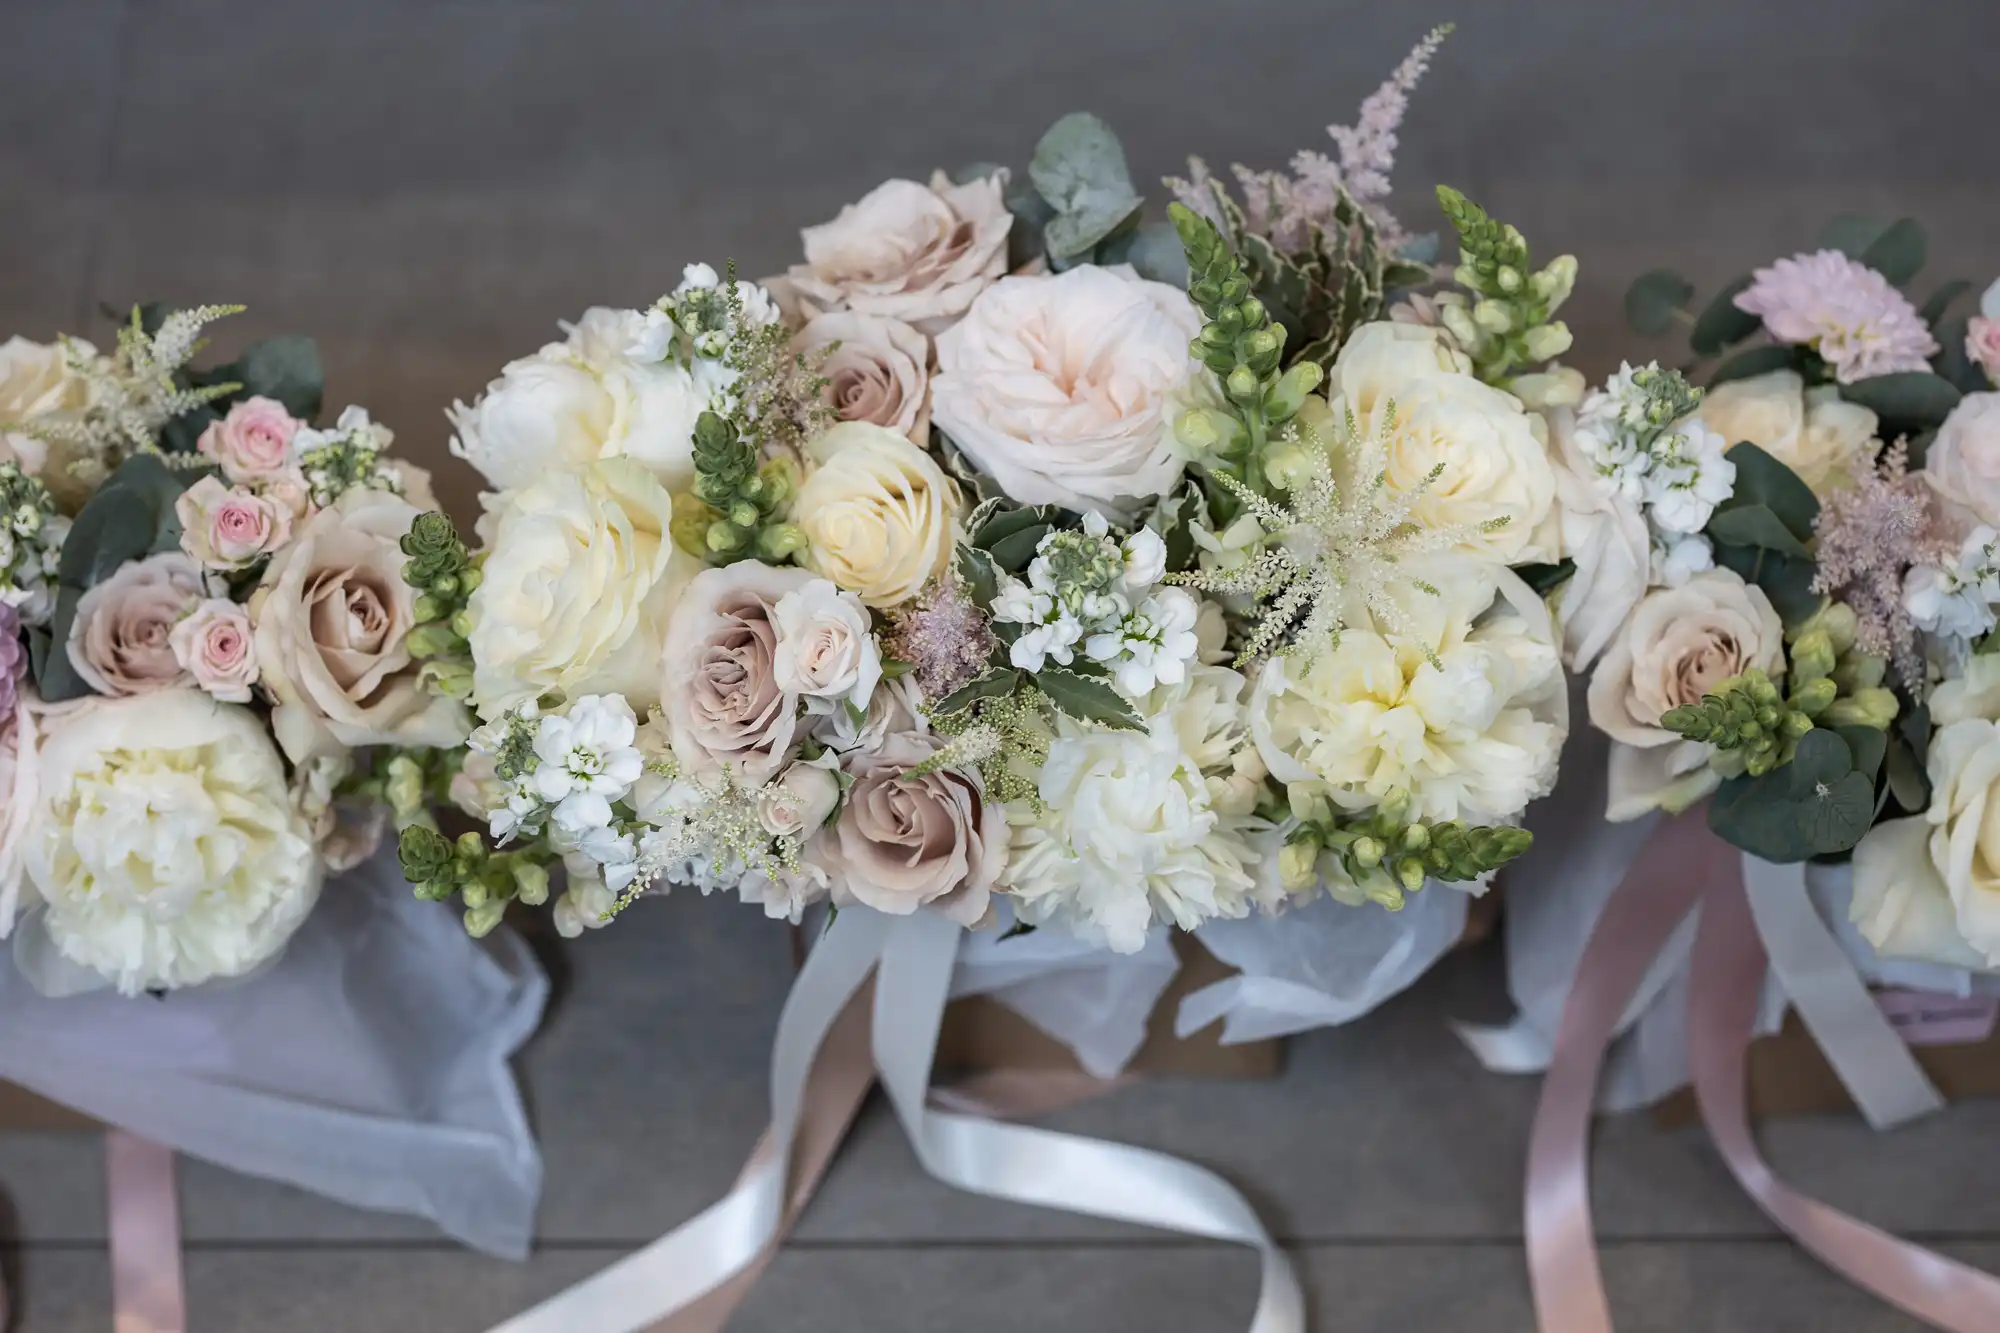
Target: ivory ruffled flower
[878, 370]
[167, 848]
[721, 695]
[1814, 432]
[1462, 706]
[880, 516]
[1847, 312]
[911, 252]
[1064, 388]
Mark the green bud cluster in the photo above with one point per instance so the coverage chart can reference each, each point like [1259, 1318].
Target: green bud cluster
[743, 504]
[441, 868]
[1506, 320]
[411, 782]
[1389, 855]
[1860, 699]
[1748, 714]
[444, 576]
[1242, 346]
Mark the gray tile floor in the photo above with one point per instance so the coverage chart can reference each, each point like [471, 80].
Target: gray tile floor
[429, 186]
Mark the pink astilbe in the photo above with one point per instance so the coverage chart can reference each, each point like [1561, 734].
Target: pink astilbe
[945, 639]
[1857, 321]
[1282, 208]
[1869, 536]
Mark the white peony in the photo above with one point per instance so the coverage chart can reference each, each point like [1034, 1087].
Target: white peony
[580, 577]
[1814, 432]
[1963, 462]
[1469, 450]
[167, 849]
[1132, 831]
[1064, 387]
[587, 398]
[1462, 706]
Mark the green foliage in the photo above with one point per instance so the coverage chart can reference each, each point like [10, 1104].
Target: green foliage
[1898, 252]
[1010, 536]
[1754, 361]
[1079, 170]
[1655, 300]
[485, 880]
[1086, 699]
[1763, 530]
[1510, 325]
[1387, 854]
[442, 572]
[1746, 714]
[1907, 403]
[747, 503]
[1721, 325]
[286, 369]
[1545, 579]
[1817, 805]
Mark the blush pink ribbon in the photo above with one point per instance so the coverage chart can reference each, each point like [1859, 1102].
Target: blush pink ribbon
[147, 1292]
[1683, 866]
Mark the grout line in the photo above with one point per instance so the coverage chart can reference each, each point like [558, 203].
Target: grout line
[102, 203]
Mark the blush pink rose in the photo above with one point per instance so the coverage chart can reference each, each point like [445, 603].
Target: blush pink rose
[215, 645]
[227, 527]
[254, 442]
[120, 640]
[905, 842]
[1982, 344]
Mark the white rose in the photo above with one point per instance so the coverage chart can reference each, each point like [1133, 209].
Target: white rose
[880, 516]
[1816, 433]
[1468, 450]
[826, 648]
[36, 385]
[584, 399]
[797, 804]
[1901, 903]
[579, 580]
[1679, 644]
[1129, 832]
[1963, 462]
[1063, 388]
[1604, 534]
[169, 850]
[878, 370]
[1461, 705]
[908, 251]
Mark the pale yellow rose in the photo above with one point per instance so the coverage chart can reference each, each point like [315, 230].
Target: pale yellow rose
[879, 514]
[36, 385]
[1815, 433]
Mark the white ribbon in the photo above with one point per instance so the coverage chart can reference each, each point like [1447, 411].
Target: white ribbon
[916, 955]
[1871, 1058]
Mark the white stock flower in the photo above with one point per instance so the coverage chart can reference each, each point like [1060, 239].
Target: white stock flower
[1957, 603]
[1676, 559]
[1152, 645]
[1689, 478]
[1052, 633]
[1130, 833]
[587, 760]
[168, 849]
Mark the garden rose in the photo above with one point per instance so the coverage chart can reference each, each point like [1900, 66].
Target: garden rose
[228, 527]
[903, 843]
[214, 645]
[36, 385]
[826, 651]
[1677, 646]
[879, 514]
[878, 372]
[725, 705]
[333, 616]
[253, 443]
[167, 847]
[1604, 533]
[579, 580]
[1816, 433]
[1064, 387]
[908, 251]
[120, 640]
[1963, 462]
[799, 801]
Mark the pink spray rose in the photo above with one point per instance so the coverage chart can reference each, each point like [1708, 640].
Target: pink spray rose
[1982, 344]
[254, 442]
[214, 645]
[227, 527]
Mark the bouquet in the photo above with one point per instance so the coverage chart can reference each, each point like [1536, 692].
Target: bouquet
[1013, 548]
[209, 696]
[1797, 622]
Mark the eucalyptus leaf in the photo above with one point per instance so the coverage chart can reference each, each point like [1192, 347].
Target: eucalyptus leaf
[1654, 299]
[1153, 250]
[1423, 249]
[57, 680]
[1545, 579]
[1908, 782]
[1868, 746]
[1787, 581]
[1952, 363]
[1836, 817]
[1086, 700]
[1079, 168]
[1822, 757]
[1398, 274]
[1898, 254]
[287, 369]
[1911, 400]
[1754, 361]
[1016, 551]
[114, 528]
[1756, 815]
[982, 578]
[1721, 324]
[1851, 234]
[1031, 213]
[1755, 525]
[1763, 480]
[1941, 299]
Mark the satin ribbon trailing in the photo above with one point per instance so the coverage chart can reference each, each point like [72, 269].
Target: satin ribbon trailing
[689, 1280]
[1681, 866]
[147, 1293]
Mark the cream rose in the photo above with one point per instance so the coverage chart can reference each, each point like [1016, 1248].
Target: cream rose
[1468, 450]
[879, 514]
[826, 648]
[582, 399]
[1963, 462]
[1679, 644]
[902, 843]
[36, 385]
[1815, 433]
[333, 615]
[800, 801]
[120, 640]
[908, 251]
[168, 850]
[1604, 533]
[1901, 903]
[1064, 387]
[580, 577]
[878, 371]
[722, 701]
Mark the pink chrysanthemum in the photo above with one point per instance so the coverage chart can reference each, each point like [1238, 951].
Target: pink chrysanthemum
[1860, 324]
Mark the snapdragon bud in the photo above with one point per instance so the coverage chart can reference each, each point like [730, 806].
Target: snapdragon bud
[1298, 865]
[1546, 342]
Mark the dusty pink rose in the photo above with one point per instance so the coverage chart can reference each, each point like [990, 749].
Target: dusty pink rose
[878, 371]
[254, 442]
[1982, 344]
[228, 527]
[903, 843]
[721, 696]
[214, 645]
[914, 252]
[121, 639]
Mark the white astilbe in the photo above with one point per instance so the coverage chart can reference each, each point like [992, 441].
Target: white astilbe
[1339, 547]
[133, 393]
